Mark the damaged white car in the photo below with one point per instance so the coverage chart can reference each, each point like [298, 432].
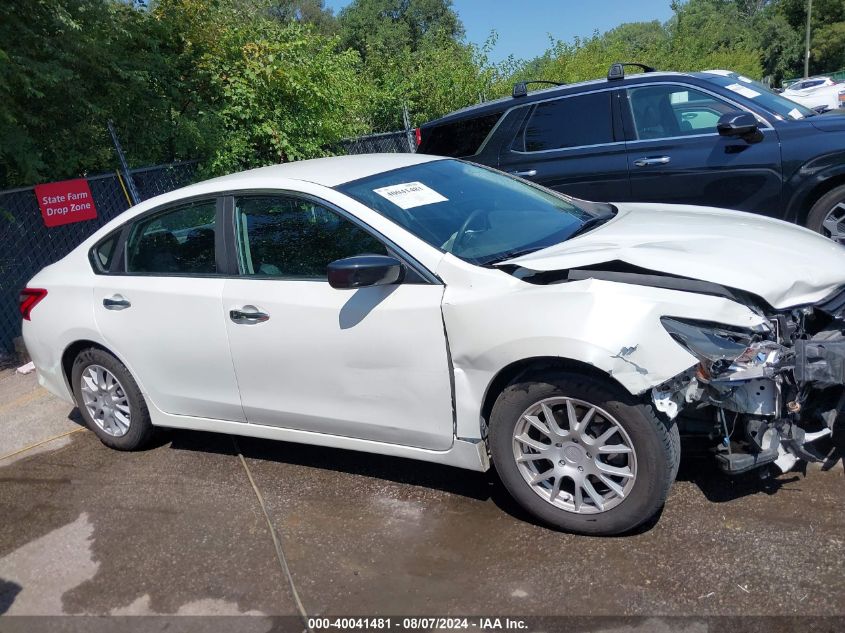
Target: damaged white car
[437, 310]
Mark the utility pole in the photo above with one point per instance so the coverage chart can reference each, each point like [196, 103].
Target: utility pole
[807, 40]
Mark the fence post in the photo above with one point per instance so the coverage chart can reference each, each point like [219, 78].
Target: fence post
[133, 192]
[409, 133]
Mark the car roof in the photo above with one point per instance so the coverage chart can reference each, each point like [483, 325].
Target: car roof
[329, 172]
[326, 172]
[504, 103]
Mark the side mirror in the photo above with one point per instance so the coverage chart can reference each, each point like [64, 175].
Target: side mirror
[743, 125]
[365, 270]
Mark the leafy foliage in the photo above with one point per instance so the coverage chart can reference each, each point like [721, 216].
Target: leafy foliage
[241, 83]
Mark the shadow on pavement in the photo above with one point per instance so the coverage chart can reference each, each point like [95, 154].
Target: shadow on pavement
[697, 467]
[8, 592]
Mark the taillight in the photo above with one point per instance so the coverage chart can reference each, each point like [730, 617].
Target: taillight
[418, 136]
[29, 298]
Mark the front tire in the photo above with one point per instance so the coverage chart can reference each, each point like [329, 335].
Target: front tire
[582, 455]
[828, 215]
[110, 401]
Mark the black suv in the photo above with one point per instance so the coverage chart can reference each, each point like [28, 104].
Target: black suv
[711, 138]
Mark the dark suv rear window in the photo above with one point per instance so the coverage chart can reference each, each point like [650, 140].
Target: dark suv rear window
[461, 138]
[567, 122]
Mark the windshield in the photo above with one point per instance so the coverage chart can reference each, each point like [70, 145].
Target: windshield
[780, 106]
[475, 213]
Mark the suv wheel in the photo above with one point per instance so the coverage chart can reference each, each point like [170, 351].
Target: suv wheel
[110, 401]
[828, 215]
[581, 455]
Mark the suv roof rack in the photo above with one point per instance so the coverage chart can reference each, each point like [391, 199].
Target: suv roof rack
[520, 89]
[617, 69]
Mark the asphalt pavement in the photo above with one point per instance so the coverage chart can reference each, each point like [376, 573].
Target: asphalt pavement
[179, 529]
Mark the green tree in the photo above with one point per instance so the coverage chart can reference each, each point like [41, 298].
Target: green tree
[396, 25]
[66, 67]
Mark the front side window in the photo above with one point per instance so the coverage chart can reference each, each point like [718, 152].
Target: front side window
[179, 241]
[568, 122]
[667, 111]
[293, 238]
[475, 213]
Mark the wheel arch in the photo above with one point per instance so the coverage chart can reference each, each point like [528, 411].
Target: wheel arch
[803, 200]
[534, 366]
[73, 350]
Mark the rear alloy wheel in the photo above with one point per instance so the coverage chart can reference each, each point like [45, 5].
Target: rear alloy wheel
[582, 455]
[105, 400]
[828, 215]
[110, 401]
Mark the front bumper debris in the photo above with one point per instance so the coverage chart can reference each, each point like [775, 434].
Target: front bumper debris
[777, 398]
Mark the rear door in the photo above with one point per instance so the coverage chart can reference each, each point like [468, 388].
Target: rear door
[160, 309]
[675, 154]
[571, 144]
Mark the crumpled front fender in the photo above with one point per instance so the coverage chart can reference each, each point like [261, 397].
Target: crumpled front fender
[495, 320]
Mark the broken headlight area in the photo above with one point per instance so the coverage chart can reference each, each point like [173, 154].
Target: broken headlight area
[767, 393]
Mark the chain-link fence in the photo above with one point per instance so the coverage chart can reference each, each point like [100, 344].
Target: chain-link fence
[399, 142]
[27, 245]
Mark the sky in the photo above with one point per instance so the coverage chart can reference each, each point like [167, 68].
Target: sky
[523, 26]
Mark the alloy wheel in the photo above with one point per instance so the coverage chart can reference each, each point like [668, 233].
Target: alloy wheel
[106, 400]
[834, 224]
[574, 455]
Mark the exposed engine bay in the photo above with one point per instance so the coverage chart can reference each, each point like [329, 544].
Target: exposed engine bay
[767, 395]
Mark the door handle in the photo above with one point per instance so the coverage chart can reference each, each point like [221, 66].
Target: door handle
[248, 315]
[116, 302]
[652, 160]
[525, 174]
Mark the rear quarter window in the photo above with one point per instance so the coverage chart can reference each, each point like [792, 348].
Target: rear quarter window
[103, 253]
[460, 138]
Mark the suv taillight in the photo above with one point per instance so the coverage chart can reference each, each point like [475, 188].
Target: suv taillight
[29, 298]
[418, 136]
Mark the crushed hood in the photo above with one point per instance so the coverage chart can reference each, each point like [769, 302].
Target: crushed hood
[784, 264]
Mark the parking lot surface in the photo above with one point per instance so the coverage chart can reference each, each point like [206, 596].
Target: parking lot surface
[178, 529]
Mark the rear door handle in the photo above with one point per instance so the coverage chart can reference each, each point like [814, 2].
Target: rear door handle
[116, 302]
[248, 315]
[652, 160]
[525, 174]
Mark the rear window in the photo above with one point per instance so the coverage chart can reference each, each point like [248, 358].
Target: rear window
[568, 122]
[461, 138]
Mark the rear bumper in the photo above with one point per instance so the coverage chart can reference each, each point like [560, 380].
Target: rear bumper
[48, 365]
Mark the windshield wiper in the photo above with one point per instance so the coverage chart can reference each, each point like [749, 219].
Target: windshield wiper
[517, 252]
[589, 225]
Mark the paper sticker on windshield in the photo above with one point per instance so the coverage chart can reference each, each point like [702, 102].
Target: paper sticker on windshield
[743, 90]
[410, 194]
[795, 114]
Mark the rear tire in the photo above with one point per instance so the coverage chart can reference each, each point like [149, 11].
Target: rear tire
[624, 455]
[827, 216]
[110, 401]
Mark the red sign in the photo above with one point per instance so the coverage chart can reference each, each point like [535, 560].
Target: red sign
[65, 202]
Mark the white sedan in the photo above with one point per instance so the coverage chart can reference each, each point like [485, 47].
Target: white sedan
[438, 310]
[817, 93]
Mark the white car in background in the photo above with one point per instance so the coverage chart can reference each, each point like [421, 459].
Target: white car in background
[817, 93]
[438, 310]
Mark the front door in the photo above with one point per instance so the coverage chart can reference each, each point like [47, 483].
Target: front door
[162, 313]
[369, 363]
[677, 156]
